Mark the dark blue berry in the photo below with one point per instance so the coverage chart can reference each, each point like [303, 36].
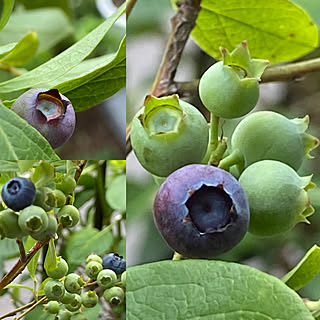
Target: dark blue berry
[201, 211]
[18, 193]
[114, 262]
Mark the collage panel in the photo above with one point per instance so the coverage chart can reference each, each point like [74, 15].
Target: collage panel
[223, 160]
[63, 239]
[62, 79]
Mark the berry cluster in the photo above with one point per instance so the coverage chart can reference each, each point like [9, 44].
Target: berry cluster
[36, 212]
[201, 209]
[69, 294]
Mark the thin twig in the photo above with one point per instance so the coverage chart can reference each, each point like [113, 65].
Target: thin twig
[41, 301]
[130, 5]
[21, 249]
[81, 164]
[15, 311]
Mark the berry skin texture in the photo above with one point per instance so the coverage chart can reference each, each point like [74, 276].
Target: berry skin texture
[48, 111]
[75, 304]
[67, 298]
[33, 219]
[168, 133]
[68, 216]
[54, 290]
[18, 193]
[229, 88]
[106, 278]
[114, 262]
[92, 269]
[9, 226]
[73, 283]
[64, 315]
[60, 271]
[89, 299]
[49, 232]
[275, 138]
[43, 198]
[53, 307]
[114, 295]
[277, 195]
[201, 211]
[124, 279]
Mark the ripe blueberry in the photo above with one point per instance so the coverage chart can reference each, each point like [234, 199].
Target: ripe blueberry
[201, 211]
[18, 193]
[48, 111]
[114, 262]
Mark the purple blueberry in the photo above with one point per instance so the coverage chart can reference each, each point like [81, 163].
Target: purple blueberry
[114, 262]
[48, 111]
[18, 193]
[201, 211]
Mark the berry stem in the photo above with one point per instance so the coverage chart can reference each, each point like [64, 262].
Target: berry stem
[21, 249]
[235, 157]
[177, 256]
[214, 132]
[130, 4]
[41, 301]
[15, 311]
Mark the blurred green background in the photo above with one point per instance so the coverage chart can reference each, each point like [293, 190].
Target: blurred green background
[148, 31]
[100, 131]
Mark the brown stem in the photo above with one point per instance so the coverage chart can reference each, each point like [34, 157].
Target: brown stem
[81, 164]
[182, 24]
[21, 249]
[130, 4]
[20, 266]
[41, 301]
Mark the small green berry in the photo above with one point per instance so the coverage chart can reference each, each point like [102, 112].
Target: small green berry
[114, 295]
[89, 299]
[60, 271]
[93, 268]
[67, 185]
[124, 278]
[33, 219]
[75, 304]
[94, 257]
[73, 283]
[54, 290]
[9, 226]
[106, 278]
[49, 232]
[67, 298]
[68, 216]
[53, 307]
[64, 315]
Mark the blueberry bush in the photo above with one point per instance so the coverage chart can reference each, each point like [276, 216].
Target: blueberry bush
[57, 59]
[62, 227]
[231, 176]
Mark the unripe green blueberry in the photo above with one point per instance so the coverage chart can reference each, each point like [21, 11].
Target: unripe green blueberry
[94, 257]
[67, 185]
[229, 88]
[44, 198]
[106, 278]
[114, 295]
[124, 278]
[54, 290]
[267, 135]
[168, 133]
[277, 196]
[89, 299]
[60, 198]
[73, 283]
[75, 304]
[64, 315]
[67, 298]
[53, 307]
[33, 219]
[60, 271]
[49, 232]
[68, 216]
[93, 268]
[9, 226]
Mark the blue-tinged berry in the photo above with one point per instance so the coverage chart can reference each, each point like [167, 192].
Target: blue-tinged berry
[114, 262]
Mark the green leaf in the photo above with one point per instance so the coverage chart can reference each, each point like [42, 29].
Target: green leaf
[32, 265]
[51, 25]
[41, 287]
[17, 285]
[65, 61]
[24, 50]
[8, 166]
[209, 290]
[63, 4]
[43, 174]
[276, 30]
[7, 7]
[25, 165]
[18, 140]
[305, 270]
[86, 241]
[8, 249]
[50, 261]
[6, 48]
[116, 193]
[93, 80]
